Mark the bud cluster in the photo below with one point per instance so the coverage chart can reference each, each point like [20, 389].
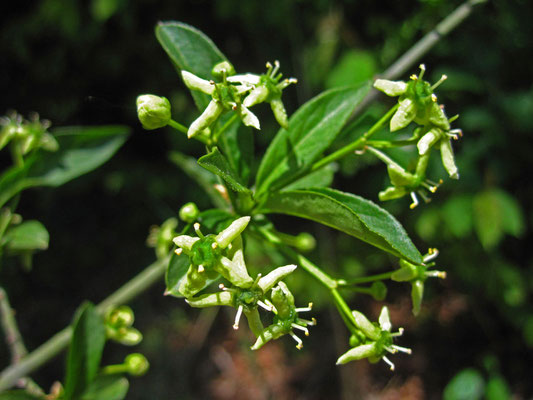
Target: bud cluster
[417, 103]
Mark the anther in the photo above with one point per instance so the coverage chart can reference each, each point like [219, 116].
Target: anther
[305, 309]
[422, 70]
[432, 254]
[222, 287]
[178, 251]
[391, 365]
[212, 82]
[238, 317]
[402, 349]
[433, 98]
[196, 227]
[201, 268]
[302, 328]
[300, 344]
[415, 201]
[214, 245]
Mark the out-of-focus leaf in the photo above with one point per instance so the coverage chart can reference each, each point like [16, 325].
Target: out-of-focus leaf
[320, 178]
[354, 67]
[468, 384]
[496, 213]
[348, 213]
[457, 214]
[85, 351]
[29, 235]
[497, 389]
[427, 224]
[176, 270]
[18, 395]
[190, 50]
[527, 331]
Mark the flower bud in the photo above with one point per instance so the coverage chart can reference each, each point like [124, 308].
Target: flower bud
[153, 111]
[137, 364]
[119, 317]
[223, 68]
[189, 213]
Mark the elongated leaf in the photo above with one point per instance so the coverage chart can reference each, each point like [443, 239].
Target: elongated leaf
[29, 235]
[320, 178]
[111, 387]
[190, 50]
[81, 149]
[202, 177]
[12, 182]
[85, 351]
[348, 213]
[312, 129]
[219, 165]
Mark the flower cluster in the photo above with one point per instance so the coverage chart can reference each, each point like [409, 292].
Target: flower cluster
[212, 256]
[373, 341]
[417, 103]
[26, 135]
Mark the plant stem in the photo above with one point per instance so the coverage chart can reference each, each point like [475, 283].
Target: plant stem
[311, 268]
[60, 340]
[415, 53]
[365, 279]
[182, 128]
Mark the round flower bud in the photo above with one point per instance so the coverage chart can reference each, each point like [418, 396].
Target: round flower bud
[119, 317]
[137, 364]
[189, 213]
[222, 68]
[153, 111]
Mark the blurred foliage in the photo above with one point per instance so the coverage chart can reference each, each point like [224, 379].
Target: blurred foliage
[84, 62]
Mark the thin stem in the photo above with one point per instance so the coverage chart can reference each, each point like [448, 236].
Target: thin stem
[344, 310]
[225, 126]
[385, 144]
[182, 128]
[365, 279]
[60, 340]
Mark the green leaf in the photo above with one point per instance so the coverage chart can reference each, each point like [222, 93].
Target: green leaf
[109, 387]
[190, 50]
[18, 395]
[12, 182]
[81, 149]
[216, 163]
[215, 220]
[29, 235]
[457, 213]
[85, 351]
[355, 66]
[312, 129]
[348, 213]
[320, 178]
[468, 384]
[497, 389]
[198, 174]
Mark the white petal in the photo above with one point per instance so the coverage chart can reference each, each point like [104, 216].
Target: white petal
[185, 241]
[390, 88]
[384, 319]
[195, 83]
[249, 118]
[245, 79]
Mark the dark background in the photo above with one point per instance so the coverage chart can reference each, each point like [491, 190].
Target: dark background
[84, 63]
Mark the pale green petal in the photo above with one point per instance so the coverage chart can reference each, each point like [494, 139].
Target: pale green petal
[370, 330]
[267, 282]
[404, 116]
[427, 141]
[195, 83]
[390, 88]
[209, 116]
[229, 234]
[213, 299]
[384, 319]
[448, 159]
[249, 118]
[185, 242]
[358, 353]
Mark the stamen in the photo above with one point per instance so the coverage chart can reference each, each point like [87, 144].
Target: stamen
[300, 344]
[272, 307]
[238, 317]
[305, 309]
[424, 197]
[196, 227]
[222, 287]
[433, 98]
[399, 333]
[214, 245]
[415, 201]
[201, 268]
[413, 77]
[178, 251]
[402, 349]
[276, 68]
[439, 82]
[263, 305]
[302, 328]
[432, 254]
[422, 70]
[391, 350]
[436, 274]
[311, 322]
[432, 189]
[268, 67]
[391, 365]
[256, 280]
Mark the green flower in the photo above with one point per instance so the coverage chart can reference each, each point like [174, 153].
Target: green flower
[374, 341]
[266, 88]
[245, 300]
[286, 318]
[404, 182]
[417, 102]
[26, 135]
[417, 275]
[439, 137]
[118, 323]
[211, 255]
